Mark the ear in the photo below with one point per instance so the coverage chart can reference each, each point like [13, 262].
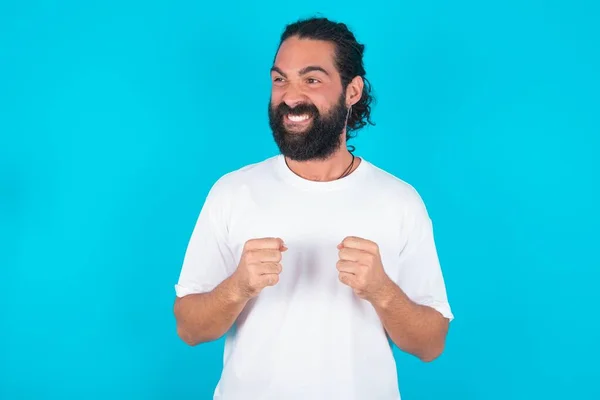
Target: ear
[354, 91]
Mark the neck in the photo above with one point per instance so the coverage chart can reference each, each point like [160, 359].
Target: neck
[326, 170]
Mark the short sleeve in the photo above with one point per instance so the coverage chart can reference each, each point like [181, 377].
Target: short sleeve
[208, 260]
[420, 275]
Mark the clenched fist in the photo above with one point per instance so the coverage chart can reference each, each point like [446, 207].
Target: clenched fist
[259, 266]
[360, 267]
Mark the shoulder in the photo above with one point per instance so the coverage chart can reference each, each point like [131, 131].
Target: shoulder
[393, 188]
[400, 199]
[231, 182]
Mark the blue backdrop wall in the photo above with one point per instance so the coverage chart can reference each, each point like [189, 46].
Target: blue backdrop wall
[116, 117]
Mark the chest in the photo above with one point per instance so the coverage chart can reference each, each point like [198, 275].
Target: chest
[313, 224]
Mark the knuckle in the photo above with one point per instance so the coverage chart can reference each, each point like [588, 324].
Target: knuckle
[270, 280]
[249, 244]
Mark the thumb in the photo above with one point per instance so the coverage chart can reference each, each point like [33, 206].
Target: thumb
[282, 246]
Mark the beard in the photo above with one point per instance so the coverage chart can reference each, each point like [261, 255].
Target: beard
[319, 140]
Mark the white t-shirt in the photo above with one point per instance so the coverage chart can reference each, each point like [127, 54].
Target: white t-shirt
[310, 336]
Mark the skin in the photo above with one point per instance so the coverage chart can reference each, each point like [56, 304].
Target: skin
[204, 317]
[304, 71]
[414, 328]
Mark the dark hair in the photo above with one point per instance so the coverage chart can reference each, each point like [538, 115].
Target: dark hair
[348, 60]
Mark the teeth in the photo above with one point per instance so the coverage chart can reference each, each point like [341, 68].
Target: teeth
[298, 118]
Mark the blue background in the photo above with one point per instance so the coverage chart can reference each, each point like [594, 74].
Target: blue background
[116, 117]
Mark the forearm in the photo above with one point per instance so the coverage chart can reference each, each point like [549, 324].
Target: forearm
[205, 317]
[414, 328]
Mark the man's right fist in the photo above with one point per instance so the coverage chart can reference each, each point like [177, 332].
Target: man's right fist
[259, 266]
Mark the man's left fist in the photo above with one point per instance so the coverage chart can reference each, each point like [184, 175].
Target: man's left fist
[360, 267]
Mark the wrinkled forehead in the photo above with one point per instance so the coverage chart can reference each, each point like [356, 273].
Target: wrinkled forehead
[295, 55]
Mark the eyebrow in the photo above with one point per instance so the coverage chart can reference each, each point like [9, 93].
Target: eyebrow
[303, 71]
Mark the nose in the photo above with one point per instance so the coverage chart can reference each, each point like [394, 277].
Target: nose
[293, 96]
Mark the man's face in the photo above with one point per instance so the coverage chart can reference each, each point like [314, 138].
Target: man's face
[307, 110]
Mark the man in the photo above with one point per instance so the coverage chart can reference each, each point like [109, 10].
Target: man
[311, 261]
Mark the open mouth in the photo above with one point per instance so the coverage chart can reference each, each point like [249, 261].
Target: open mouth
[297, 119]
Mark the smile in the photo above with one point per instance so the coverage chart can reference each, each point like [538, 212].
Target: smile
[297, 118]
